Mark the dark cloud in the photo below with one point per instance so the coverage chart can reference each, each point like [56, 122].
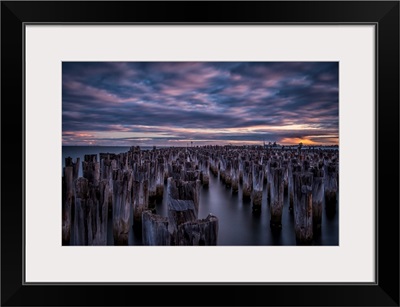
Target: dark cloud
[120, 102]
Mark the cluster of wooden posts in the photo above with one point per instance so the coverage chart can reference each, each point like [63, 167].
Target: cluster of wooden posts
[129, 184]
[134, 180]
[309, 177]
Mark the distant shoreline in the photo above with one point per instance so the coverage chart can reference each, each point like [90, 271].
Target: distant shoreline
[231, 146]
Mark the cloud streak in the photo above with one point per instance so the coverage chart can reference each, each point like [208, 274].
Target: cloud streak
[170, 103]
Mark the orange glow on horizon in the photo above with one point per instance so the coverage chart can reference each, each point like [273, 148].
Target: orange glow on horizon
[291, 141]
[305, 141]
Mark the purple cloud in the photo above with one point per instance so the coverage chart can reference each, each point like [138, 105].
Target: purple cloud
[164, 103]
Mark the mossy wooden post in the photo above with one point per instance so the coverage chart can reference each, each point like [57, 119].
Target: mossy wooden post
[303, 219]
[122, 207]
[68, 200]
[140, 194]
[277, 194]
[81, 207]
[256, 196]
[247, 186]
[91, 169]
[331, 188]
[198, 232]
[155, 229]
[317, 197]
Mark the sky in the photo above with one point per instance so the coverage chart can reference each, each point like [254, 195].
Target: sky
[199, 103]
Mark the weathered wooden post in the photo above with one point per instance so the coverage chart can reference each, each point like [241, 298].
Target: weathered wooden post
[68, 200]
[181, 205]
[167, 162]
[271, 165]
[190, 176]
[268, 179]
[106, 165]
[214, 166]
[80, 218]
[204, 176]
[243, 160]
[293, 168]
[198, 232]
[185, 190]
[205, 179]
[140, 194]
[265, 162]
[75, 174]
[155, 229]
[222, 167]
[123, 161]
[306, 165]
[175, 170]
[256, 196]
[235, 176]
[122, 207]
[299, 150]
[91, 169]
[277, 194]
[91, 213]
[285, 166]
[247, 185]
[74, 165]
[98, 213]
[331, 188]
[228, 173]
[152, 184]
[160, 179]
[317, 197]
[303, 219]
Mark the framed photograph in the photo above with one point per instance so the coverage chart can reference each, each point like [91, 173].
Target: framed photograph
[242, 150]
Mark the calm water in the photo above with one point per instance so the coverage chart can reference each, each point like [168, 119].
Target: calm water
[237, 224]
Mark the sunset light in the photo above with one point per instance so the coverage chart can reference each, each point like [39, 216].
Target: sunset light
[168, 103]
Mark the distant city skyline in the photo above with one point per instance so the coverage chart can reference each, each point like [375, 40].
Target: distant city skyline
[207, 103]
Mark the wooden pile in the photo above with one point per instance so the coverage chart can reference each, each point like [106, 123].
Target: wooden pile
[126, 187]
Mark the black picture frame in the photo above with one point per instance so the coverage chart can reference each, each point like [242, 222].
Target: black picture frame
[383, 14]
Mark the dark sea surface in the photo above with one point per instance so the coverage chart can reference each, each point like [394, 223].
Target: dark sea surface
[237, 224]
